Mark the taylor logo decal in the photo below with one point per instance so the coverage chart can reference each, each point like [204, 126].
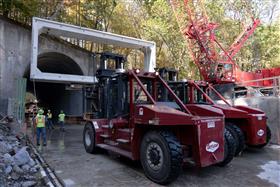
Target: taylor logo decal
[212, 146]
[260, 132]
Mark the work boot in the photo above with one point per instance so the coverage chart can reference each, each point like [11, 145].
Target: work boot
[38, 144]
[44, 144]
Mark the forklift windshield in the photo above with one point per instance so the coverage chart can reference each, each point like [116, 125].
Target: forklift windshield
[208, 92]
[202, 93]
[146, 90]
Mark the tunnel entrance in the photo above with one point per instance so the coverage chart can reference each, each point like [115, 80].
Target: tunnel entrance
[56, 96]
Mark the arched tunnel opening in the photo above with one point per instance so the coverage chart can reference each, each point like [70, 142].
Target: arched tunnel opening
[55, 96]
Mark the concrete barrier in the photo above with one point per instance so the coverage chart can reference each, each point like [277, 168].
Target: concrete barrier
[271, 106]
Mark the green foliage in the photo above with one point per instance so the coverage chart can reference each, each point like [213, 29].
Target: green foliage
[262, 49]
[26, 9]
[161, 27]
[267, 40]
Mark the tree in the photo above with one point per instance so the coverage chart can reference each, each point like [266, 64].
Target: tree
[161, 27]
[262, 49]
[154, 20]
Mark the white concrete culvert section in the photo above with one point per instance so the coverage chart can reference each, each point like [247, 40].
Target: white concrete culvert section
[271, 172]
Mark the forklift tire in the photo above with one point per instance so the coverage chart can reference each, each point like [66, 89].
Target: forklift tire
[268, 137]
[238, 136]
[241, 139]
[229, 148]
[234, 135]
[89, 138]
[161, 156]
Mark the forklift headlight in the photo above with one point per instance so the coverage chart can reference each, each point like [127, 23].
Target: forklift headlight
[154, 122]
[137, 71]
[156, 73]
[259, 116]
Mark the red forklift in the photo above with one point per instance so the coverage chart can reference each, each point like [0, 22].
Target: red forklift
[247, 125]
[128, 118]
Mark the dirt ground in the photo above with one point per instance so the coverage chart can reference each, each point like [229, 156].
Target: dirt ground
[66, 155]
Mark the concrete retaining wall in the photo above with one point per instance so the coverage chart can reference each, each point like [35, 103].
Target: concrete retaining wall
[15, 51]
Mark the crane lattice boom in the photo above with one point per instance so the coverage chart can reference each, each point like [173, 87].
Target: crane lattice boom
[214, 62]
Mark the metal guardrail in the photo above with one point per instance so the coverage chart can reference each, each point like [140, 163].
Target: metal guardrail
[273, 90]
[258, 80]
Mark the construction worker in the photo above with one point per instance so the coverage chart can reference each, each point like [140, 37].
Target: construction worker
[40, 127]
[61, 119]
[49, 120]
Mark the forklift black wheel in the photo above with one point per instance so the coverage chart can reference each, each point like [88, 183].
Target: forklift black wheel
[89, 138]
[239, 137]
[268, 137]
[234, 135]
[161, 156]
[229, 148]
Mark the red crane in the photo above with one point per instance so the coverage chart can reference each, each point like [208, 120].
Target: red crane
[215, 63]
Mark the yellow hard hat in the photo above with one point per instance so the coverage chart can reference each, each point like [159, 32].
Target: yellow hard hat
[41, 111]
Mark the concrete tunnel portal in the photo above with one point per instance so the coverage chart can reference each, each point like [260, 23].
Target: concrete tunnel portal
[55, 96]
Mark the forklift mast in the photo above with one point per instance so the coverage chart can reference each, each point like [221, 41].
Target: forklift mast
[168, 74]
[118, 59]
[111, 88]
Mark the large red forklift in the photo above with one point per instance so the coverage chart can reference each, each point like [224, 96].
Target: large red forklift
[128, 118]
[246, 124]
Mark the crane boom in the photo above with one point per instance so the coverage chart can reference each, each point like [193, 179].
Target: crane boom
[215, 64]
[199, 33]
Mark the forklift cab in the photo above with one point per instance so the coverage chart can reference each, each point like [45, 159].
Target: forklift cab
[190, 92]
[178, 87]
[119, 92]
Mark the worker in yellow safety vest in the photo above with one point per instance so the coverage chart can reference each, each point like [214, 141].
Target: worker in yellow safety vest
[40, 127]
[49, 120]
[61, 120]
